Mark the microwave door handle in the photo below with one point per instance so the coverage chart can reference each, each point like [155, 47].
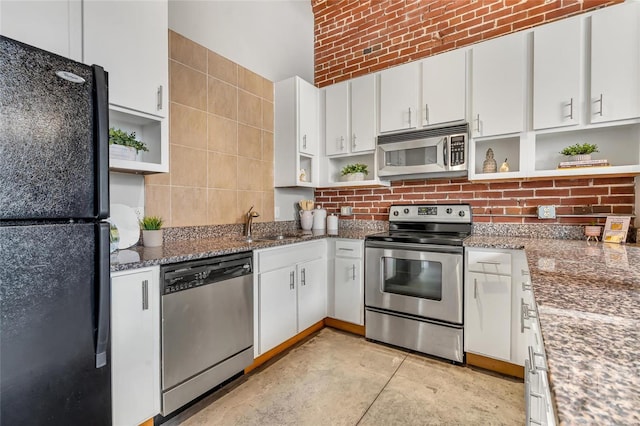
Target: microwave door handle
[444, 152]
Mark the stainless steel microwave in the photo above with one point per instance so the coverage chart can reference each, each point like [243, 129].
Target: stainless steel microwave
[437, 152]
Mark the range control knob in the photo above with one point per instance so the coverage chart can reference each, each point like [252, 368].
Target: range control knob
[395, 213]
[449, 210]
[461, 213]
[406, 211]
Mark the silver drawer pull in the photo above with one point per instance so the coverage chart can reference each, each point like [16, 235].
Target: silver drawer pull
[291, 280]
[526, 286]
[524, 271]
[345, 249]
[475, 288]
[523, 309]
[353, 270]
[532, 356]
[488, 262]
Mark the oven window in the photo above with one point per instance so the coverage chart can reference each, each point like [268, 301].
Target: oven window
[412, 156]
[417, 278]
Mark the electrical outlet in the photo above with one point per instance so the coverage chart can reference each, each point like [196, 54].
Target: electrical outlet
[546, 212]
[346, 211]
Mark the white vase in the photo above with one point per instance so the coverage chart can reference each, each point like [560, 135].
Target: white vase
[152, 238]
[306, 219]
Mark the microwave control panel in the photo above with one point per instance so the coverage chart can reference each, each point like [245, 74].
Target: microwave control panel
[457, 145]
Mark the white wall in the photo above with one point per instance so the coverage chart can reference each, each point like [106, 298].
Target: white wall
[286, 202]
[271, 38]
[127, 189]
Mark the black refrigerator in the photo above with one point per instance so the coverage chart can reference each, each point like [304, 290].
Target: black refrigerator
[55, 366]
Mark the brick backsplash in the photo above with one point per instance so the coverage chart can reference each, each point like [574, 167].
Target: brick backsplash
[354, 38]
[496, 202]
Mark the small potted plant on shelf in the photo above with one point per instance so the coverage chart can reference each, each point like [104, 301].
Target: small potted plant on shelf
[580, 152]
[354, 172]
[592, 230]
[151, 231]
[123, 145]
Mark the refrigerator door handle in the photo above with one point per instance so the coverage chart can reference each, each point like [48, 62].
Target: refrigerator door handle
[104, 295]
[101, 137]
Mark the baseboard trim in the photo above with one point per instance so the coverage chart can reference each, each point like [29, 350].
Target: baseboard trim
[284, 346]
[344, 326]
[498, 366]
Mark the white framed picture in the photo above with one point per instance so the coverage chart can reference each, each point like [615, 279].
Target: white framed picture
[615, 229]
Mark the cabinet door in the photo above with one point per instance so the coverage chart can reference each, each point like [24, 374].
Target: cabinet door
[337, 118]
[312, 293]
[277, 307]
[399, 97]
[498, 86]
[363, 113]
[53, 25]
[615, 63]
[487, 319]
[348, 289]
[135, 352]
[130, 40]
[307, 118]
[444, 88]
[557, 74]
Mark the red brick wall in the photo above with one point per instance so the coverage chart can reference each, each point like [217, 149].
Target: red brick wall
[402, 31]
[510, 202]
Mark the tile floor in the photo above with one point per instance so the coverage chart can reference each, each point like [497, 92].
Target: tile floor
[336, 378]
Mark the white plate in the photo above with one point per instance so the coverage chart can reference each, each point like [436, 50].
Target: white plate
[126, 221]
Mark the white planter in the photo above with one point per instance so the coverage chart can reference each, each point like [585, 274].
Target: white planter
[581, 157]
[353, 177]
[120, 152]
[152, 238]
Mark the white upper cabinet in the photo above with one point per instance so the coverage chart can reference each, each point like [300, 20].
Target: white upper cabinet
[52, 25]
[130, 40]
[307, 117]
[337, 118]
[498, 81]
[399, 92]
[557, 74]
[363, 113]
[350, 116]
[615, 63]
[444, 88]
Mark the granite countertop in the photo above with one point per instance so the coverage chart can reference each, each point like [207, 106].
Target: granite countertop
[183, 250]
[588, 297]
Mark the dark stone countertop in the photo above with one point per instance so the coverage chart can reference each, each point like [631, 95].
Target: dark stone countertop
[183, 250]
[588, 297]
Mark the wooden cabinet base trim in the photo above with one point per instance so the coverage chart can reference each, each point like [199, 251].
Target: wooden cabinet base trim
[148, 422]
[498, 366]
[344, 326]
[284, 346]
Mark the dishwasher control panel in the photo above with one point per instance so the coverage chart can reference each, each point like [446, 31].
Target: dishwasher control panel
[187, 275]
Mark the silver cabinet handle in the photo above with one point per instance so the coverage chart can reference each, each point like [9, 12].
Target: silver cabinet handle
[426, 113]
[345, 249]
[528, 312]
[353, 141]
[292, 277]
[571, 109]
[304, 141]
[600, 102]
[353, 271]
[477, 120]
[475, 288]
[488, 262]
[159, 98]
[145, 295]
[409, 116]
[524, 271]
[526, 287]
[532, 357]
[341, 143]
[303, 277]
[523, 309]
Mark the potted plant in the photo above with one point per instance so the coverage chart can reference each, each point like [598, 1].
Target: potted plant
[123, 145]
[592, 230]
[354, 172]
[580, 152]
[151, 231]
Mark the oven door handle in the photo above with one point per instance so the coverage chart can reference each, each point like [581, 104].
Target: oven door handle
[416, 247]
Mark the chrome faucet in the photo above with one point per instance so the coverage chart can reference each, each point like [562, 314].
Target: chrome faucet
[249, 221]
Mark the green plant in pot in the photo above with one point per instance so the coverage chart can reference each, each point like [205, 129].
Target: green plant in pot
[123, 145]
[151, 231]
[580, 151]
[354, 172]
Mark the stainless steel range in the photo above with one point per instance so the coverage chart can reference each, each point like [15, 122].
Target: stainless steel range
[414, 279]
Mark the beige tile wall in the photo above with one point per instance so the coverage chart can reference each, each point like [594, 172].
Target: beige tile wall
[221, 141]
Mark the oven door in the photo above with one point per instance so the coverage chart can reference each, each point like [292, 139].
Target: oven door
[415, 279]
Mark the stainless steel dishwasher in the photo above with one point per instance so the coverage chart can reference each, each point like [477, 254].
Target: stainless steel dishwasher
[207, 325]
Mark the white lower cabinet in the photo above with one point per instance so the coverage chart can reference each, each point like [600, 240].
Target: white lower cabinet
[348, 281]
[135, 345]
[291, 287]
